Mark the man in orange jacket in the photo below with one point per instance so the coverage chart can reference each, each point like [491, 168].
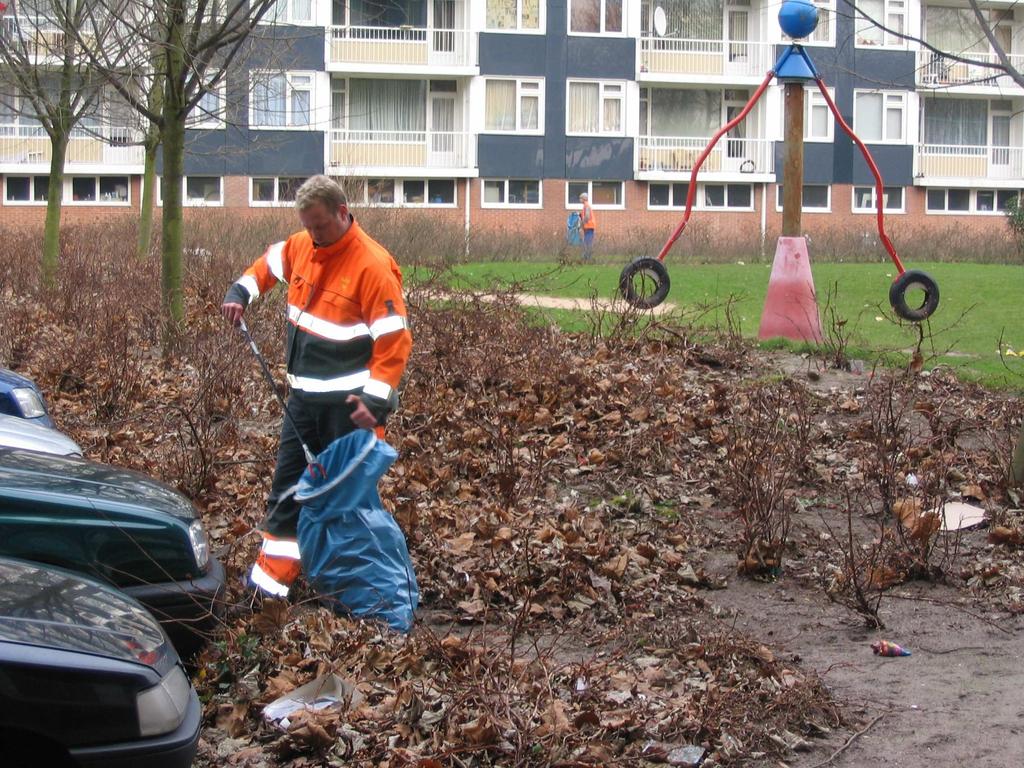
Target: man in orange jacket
[588, 223]
[348, 344]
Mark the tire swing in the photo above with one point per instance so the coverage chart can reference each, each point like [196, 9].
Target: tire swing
[644, 283]
[909, 281]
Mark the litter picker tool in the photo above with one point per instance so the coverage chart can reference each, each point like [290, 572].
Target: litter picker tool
[314, 467]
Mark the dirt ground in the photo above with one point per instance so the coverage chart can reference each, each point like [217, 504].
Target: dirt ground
[957, 700]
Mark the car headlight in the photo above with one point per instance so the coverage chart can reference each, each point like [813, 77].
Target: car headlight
[200, 544]
[162, 707]
[30, 403]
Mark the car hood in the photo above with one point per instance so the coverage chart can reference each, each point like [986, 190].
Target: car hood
[16, 432]
[52, 608]
[10, 380]
[79, 478]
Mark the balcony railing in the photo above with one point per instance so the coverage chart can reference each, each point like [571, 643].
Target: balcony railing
[951, 161]
[934, 69]
[29, 145]
[403, 149]
[728, 58]
[399, 47]
[677, 154]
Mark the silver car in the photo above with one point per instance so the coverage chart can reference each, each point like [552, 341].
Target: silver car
[28, 435]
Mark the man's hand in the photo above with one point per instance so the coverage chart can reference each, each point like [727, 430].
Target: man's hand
[361, 415]
[232, 312]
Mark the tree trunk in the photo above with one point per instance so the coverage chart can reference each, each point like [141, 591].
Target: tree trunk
[173, 140]
[1017, 464]
[54, 199]
[170, 252]
[146, 206]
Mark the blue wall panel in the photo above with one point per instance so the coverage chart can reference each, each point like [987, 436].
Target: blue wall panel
[238, 151]
[519, 157]
[513, 55]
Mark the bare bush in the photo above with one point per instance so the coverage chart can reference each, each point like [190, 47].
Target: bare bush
[765, 446]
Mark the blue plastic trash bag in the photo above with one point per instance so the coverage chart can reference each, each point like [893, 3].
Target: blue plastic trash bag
[572, 229]
[353, 552]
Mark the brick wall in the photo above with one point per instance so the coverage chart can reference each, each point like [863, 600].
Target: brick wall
[616, 228]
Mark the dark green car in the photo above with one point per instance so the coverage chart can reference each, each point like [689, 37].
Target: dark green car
[116, 525]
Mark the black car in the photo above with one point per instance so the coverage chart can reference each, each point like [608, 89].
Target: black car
[87, 677]
[119, 526]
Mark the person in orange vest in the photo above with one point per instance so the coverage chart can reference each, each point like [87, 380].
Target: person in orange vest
[588, 223]
[348, 345]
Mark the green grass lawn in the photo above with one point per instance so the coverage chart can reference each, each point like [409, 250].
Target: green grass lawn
[980, 304]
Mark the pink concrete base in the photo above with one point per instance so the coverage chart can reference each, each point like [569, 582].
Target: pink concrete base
[790, 308]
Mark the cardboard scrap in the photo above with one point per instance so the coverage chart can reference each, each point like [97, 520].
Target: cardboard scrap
[326, 691]
[958, 516]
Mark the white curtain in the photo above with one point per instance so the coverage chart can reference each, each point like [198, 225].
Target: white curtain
[612, 114]
[583, 106]
[531, 112]
[684, 112]
[500, 105]
[868, 109]
[268, 96]
[960, 122]
[388, 105]
[953, 29]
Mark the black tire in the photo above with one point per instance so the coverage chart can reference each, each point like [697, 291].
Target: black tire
[645, 271]
[914, 278]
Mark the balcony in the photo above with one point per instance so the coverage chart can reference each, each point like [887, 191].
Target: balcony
[937, 71]
[660, 156]
[28, 148]
[678, 59]
[950, 163]
[420, 152]
[401, 49]
[40, 39]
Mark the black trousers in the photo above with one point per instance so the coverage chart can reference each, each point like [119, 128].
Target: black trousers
[320, 424]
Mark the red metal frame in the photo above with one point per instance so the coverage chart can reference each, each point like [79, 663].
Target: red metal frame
[879, 189]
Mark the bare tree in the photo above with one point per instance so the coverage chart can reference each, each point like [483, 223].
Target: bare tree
[163, 58]
[48, 87]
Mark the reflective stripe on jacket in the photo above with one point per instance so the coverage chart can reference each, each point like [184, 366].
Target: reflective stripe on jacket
[347, 325]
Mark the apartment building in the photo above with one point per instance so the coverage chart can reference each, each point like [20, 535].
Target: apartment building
[498, 113]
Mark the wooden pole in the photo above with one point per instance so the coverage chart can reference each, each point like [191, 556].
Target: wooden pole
[793, 164]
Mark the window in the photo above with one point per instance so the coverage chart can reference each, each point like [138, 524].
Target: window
[380, 191]
[105, 190]
[511, 193]
[878, 116]
[864, 200]
[957, 122]
[387, 105]
[409, 192]
[709, 196]
[274, 190]
[890, 13]
[603, 194]
[595, 108]
[825, 32]
[819, 124]
[816, 198]
[290, 12]
[202, 190]
[31, 190]
[984, 201]
[595, 17]
[281, 100]
[513, 105]
[209, 112]
[514, 15]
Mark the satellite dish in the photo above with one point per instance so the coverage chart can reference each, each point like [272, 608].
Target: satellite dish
[660, 22]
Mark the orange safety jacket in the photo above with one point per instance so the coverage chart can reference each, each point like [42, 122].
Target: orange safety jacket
[589, 221]
[348, 332]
